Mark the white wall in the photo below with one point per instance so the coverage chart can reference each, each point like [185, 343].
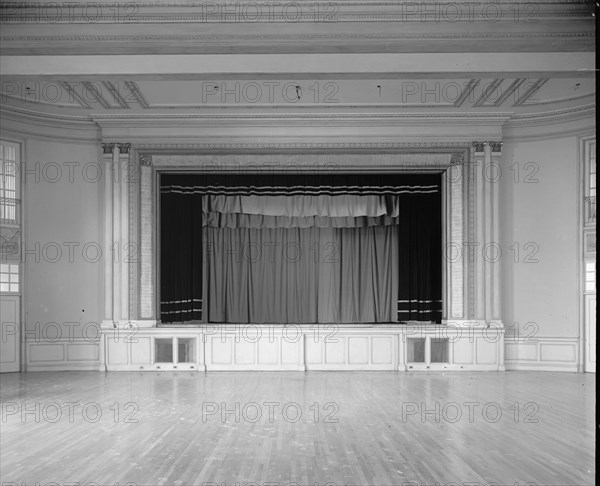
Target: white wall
[63, 207]
[545, 214]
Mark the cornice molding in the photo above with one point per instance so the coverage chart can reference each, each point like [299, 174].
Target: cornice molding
[344, 10]
[287, 37]
[553, 117]
[326, 114]
[194, 148]
[41, 116]
[81, 128]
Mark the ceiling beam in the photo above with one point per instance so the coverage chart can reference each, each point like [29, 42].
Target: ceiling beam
[302, 66]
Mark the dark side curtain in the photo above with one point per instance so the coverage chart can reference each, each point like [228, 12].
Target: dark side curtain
[181, 257]
[420, 257]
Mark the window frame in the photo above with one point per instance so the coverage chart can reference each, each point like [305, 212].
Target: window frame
[16, 222]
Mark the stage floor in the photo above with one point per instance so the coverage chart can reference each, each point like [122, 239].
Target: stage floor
[336, 428]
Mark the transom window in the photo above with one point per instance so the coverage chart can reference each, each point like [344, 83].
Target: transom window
[9, 277]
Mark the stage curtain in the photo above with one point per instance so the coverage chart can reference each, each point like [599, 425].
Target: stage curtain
[181, 258]
[301, 275]
[420, 258]
[301, 248]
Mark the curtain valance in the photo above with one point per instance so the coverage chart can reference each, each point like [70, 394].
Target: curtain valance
[299, 211]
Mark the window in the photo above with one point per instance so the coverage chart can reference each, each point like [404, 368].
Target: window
[9, 155]
[590, 183]
[590, 276]
[9, 277]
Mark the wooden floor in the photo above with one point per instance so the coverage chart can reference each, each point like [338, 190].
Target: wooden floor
[356, 428]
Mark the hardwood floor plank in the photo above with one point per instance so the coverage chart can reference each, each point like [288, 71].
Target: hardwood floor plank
[354, 428]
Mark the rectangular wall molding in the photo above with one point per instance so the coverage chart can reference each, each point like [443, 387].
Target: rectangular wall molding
[62, 355]
[543, 354]
[349, 349]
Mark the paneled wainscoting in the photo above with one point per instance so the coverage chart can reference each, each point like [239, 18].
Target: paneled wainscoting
[217, 348]
[538, 353]
[303, 347]
[62, 354]
[222, 348]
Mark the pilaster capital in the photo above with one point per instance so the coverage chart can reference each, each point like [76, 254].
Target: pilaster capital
[124, 148]
[496, 147]
[107, 148]
[478, 147]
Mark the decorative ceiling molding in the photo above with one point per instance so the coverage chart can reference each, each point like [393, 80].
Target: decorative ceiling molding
[195, 148]
[199, 38]
[291, 42]
[554, 117]
[99, 119]
[245, 11]
[454, 65]
[325, 114]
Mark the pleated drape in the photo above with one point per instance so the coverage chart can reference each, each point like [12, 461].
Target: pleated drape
[301, 275]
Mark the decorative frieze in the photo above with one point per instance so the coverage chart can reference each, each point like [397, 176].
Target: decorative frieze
[145, 160]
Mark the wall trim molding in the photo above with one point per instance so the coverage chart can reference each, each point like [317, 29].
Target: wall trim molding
[62, 354]
[532, 355]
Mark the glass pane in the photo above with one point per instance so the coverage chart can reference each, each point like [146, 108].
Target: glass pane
[14, 287]
[439, 350]
[416, 350]
[185, 350]
[590, 286]
[4, 268]
[163, 351]
[3, 287]
[3, 277]
[14, 277]
[14, 268]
